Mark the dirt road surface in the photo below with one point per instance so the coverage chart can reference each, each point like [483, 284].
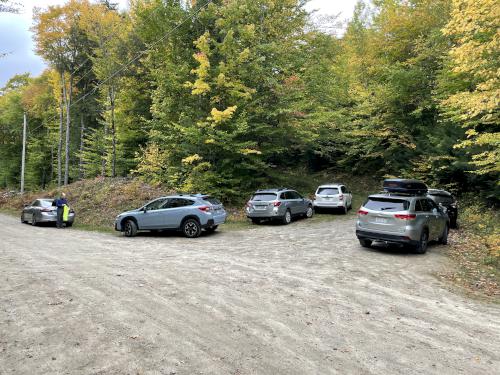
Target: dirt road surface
[297, 299]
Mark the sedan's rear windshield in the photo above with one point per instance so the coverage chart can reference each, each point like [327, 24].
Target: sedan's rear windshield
[264, 197]
[387, 204]
[327, 191]
[46, 202]
[212, 200]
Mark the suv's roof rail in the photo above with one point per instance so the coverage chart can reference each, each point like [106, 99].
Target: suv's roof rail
[277, 189]
[403, 194]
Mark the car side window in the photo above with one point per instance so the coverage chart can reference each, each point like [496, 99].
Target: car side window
[432, 204]
[285, 195]
[426, 206]
[156, 205]
[179, 202]
[418, 206]
[293, 195]
[344, 190]
[35, 203]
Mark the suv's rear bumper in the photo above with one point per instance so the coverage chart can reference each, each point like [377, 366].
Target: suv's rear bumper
[328, 204]
[390, 238]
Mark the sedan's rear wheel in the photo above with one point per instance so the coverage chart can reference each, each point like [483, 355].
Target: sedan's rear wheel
[287, 218]
[309, 212]
[421, 248]
[130, 228]
[191, 228]
[256, 221]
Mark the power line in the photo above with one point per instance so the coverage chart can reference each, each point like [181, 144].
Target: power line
[128, 63]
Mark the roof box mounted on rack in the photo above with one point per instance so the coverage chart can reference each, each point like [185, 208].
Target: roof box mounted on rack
[402, 186]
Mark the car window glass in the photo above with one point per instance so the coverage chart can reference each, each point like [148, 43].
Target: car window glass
[432, 204]
[155, 205]
[294, 195]
[178, 202]
[418, 206]
[46, 203]
[426, 206]
[328, 191]
[35, 204]
[211, 200]
[387, 204]
[344, 190]
[264, 197]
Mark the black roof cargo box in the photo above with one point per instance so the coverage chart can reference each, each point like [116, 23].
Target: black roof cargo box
[402, 186]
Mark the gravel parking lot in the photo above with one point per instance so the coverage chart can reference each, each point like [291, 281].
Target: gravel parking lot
[297, 299]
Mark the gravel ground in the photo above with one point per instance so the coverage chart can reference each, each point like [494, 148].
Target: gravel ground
[297, 299]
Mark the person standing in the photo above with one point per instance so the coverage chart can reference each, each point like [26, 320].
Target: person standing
[60, 203]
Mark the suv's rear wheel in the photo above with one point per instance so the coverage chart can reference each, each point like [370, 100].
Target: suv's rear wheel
[444, 237]
[256, 221]
[344, 210]
[287, 218]
[191, 228]
[421, 248]
[365, 243]
[130, 228]
[309, 212]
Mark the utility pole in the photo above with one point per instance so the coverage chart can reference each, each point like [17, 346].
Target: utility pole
[23, 161]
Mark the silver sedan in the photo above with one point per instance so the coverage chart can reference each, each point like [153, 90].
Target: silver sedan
[43, 210]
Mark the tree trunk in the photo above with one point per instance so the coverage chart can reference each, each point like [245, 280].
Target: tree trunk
[68, 123]
[81, 173]
[59, 145]
[113, 131]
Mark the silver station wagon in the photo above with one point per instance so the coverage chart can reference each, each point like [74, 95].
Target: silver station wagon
[278, 204]
[187, 213]
[403, 216]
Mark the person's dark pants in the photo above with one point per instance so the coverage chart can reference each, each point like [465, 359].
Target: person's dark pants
[60, 211]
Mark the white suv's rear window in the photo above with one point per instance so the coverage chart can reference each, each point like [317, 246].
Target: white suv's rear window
[327, 191]
[387, 204]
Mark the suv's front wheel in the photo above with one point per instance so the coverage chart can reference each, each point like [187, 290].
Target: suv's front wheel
[191, 228]
[130, 228]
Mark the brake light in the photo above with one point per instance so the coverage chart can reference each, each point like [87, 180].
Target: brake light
[46, 210]
[205, 208]
[277, 204]
[341, 197]
[405, 216]
[362, 212]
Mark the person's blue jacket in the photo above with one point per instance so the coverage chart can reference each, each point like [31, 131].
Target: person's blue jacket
[60, 202]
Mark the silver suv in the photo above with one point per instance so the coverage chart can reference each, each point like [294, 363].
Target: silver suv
[187, 213]
[278, 204]
[404, 219]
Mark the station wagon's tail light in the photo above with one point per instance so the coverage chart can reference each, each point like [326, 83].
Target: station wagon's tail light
[277, 204]
[341, 197]
[405, 216]
[205, 208]
[362, 212]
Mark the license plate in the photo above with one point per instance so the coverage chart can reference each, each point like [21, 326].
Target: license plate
[380, 220]
[260, 208]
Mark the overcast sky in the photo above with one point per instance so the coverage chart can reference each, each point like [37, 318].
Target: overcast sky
[16, 39]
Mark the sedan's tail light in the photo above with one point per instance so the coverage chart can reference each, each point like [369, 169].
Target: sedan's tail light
[277, 204]
[46, 210]
[362, 212]
[405, 216]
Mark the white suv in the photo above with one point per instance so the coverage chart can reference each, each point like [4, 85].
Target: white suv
[333, 196]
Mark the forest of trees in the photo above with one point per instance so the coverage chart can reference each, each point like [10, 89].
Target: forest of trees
[214, 95]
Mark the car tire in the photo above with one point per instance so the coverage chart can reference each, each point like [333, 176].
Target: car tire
[344, 210]
[33, 221]
[212, 229]
[69, 225]
[309, 212]
[287, 218]
[421, 248]
[130, 228]
[256, 221]
[365, 243]
[443, 240]
[191, 228]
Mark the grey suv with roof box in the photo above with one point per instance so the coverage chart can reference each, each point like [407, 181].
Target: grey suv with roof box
[187, 213]
[402, 215]
[278, 204]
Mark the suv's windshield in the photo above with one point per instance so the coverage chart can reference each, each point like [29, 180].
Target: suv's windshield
[387, 204]
[264, 197]
[327, 191]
